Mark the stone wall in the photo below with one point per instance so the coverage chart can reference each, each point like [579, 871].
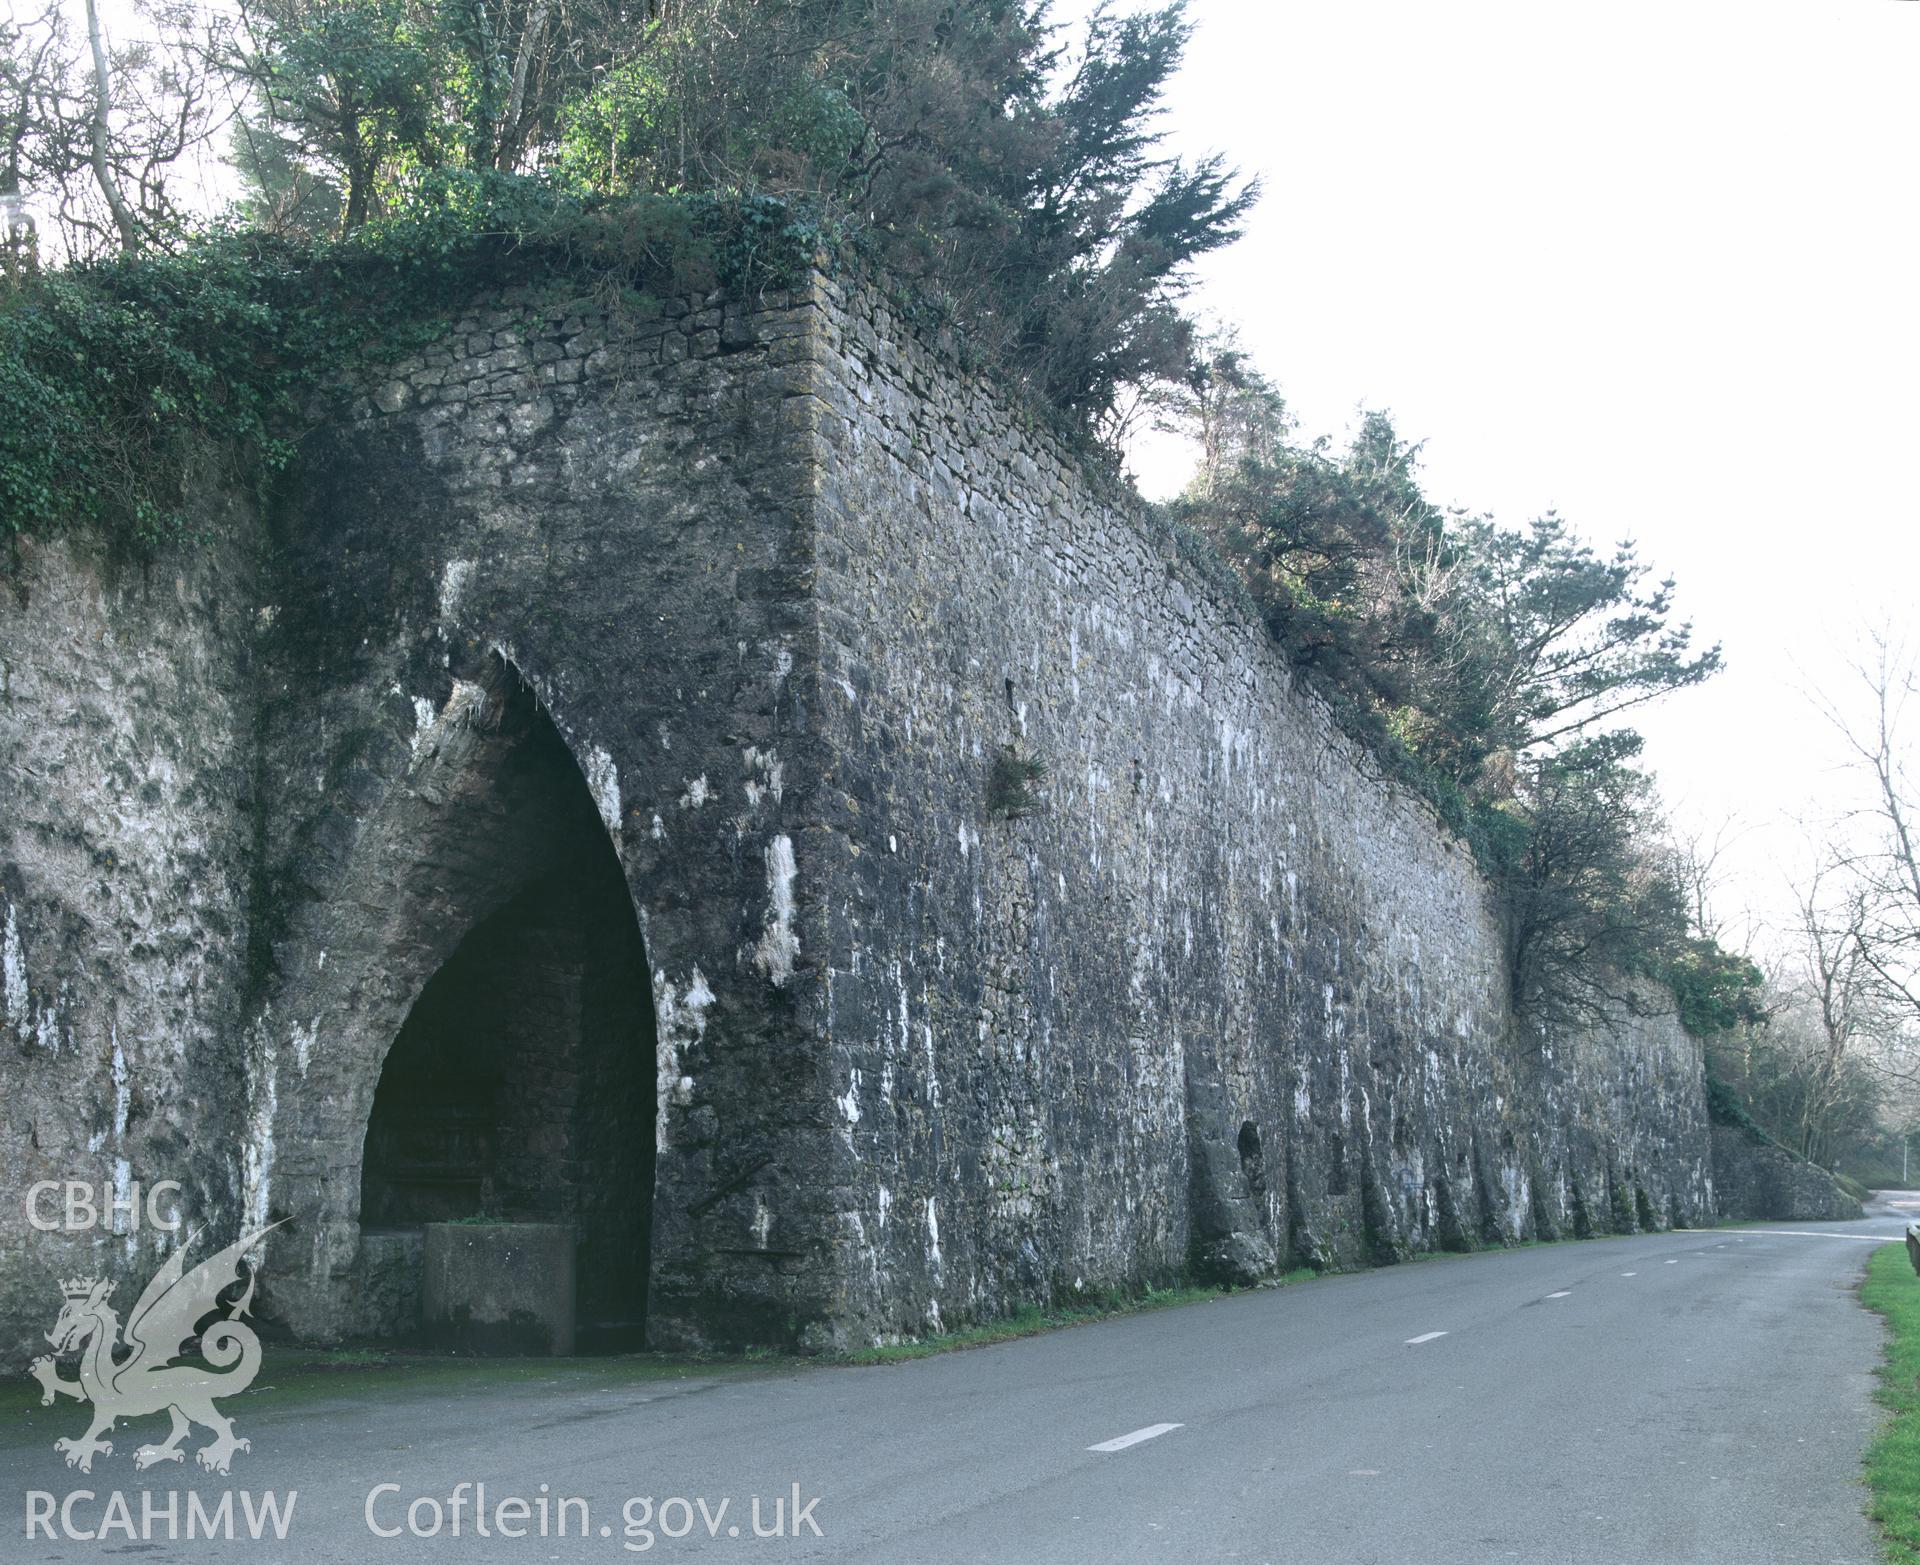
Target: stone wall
[790, 589]
[1756, 1178]
[1223, 997]
[127, 787]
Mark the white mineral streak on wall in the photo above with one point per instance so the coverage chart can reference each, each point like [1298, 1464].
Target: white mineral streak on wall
[454, 578]
[772, 779]
[423, 720]
[780, 944]
[603, 782]
[16, 995]
[680, 1021]
[263, 1098]
[13, 978]
[304, 1039]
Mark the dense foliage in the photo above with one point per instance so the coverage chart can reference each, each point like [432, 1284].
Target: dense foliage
[1015, 178]
[1008, 181]
[1497, 663]
[1786, 1081]
[1018, 179]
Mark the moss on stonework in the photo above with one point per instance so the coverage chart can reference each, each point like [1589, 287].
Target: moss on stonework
[1619, 1207]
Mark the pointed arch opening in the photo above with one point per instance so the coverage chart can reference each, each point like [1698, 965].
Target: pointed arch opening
[521, 1086]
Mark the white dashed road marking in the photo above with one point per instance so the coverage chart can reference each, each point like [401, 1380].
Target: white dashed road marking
[1629, 1274]
[1151, 1432]
[1563, 1293]
[1427, 1336]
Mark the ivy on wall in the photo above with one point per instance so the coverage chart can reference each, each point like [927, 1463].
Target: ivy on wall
[118, 380]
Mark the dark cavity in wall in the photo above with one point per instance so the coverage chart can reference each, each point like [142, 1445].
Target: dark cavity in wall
[521, 1087]
[1253, 1164]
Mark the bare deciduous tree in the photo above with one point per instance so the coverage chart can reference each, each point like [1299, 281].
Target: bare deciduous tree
[1883, 855]
[1836, 989]
[96, 135]
[100, 134]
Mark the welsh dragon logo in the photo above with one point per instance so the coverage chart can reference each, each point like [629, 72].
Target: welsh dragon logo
[138, 1376]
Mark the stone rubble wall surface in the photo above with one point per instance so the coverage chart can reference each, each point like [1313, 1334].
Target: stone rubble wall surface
[127, 789]
[1223, 999]
[1219, 998]
[1755, 1179]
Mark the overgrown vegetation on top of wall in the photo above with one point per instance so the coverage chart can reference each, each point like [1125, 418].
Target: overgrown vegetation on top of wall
[116, 377]
[390, 150]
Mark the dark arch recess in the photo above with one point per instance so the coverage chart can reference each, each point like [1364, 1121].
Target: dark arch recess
[521, 1085]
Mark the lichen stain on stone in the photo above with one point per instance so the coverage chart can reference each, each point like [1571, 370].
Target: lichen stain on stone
[454, 578]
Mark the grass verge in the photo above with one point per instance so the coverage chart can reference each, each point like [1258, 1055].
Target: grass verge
[1893, 1460]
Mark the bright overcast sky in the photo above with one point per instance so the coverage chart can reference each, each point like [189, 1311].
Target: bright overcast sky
[1649, 264]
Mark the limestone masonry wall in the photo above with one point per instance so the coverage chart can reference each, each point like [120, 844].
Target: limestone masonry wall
[1755, 1178]
[779, 588]
[1225, 998]
[126, 823]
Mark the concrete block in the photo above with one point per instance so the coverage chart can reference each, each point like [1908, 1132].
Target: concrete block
[500, 1287]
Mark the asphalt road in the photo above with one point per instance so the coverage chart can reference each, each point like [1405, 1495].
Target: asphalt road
[1699, 1396]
